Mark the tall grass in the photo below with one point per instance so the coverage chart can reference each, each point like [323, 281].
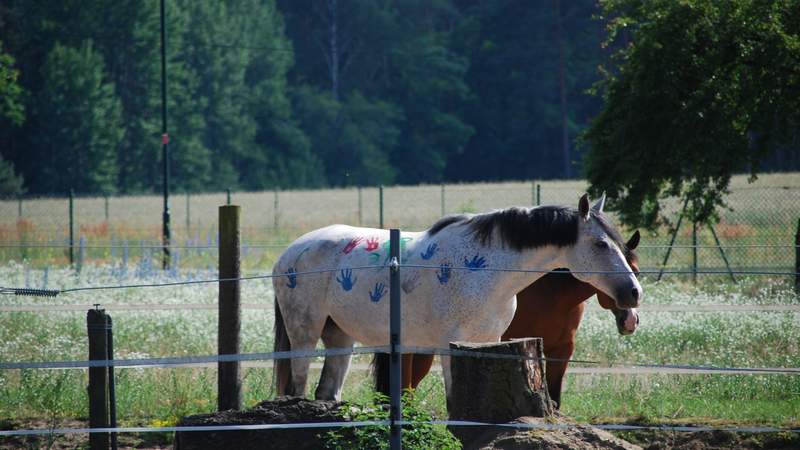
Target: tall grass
[751, 339]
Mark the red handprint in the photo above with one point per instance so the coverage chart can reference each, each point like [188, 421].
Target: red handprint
[372, 244]
[352, 244]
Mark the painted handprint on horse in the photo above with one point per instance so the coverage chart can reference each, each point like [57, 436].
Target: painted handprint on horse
[430, 251]
[378, 293]
[372, 244]
[477, 262]
[443, 274]
[291, 274]
[352, 245]
[347, 281]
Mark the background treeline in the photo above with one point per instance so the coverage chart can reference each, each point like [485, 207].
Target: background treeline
[295, 93]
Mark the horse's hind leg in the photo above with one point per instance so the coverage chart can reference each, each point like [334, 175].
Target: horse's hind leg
[335, 368]
[303, 336]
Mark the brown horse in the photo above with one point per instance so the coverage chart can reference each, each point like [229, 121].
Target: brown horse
[550, 308]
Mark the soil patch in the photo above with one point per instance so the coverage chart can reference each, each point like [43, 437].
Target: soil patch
[711, 440]
[150, 441]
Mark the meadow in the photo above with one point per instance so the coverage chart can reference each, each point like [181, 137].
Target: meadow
[756, 231]
[118, 251]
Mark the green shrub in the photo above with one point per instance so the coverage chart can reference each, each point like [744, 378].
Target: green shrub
[419, 436]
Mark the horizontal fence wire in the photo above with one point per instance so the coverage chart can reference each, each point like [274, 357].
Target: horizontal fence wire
[294, 354]
[54, 292]
[386, 423]
[270, 306]
[133, 244]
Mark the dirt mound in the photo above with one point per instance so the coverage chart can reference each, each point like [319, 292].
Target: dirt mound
[575, 437]
[712, 440]
[282, 410]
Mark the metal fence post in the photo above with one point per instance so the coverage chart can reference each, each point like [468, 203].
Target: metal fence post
[98, 377]
[229, 384]
[672, 240]
[71, 227]
[538, 194]
[228, 196]
[275, 208]
[105, 206]
[797, 259]
[188, 216]
[360, 208]
[380, 206]
[395, 367]
[694, 251]
[443, 204]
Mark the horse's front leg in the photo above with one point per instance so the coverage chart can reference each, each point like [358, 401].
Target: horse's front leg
[556, 368]
[335, 368]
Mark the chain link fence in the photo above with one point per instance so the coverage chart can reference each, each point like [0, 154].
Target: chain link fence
[757, 232]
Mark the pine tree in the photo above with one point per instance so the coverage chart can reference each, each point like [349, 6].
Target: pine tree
[77, 117]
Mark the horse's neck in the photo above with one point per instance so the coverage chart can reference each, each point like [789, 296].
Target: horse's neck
[531, 263]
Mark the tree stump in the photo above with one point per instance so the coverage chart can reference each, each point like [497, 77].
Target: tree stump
[495, 390]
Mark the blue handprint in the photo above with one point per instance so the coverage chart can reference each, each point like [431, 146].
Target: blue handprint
[430, 251]
[377, 295]
[292, 275]
[443, 274]
[347, 281]
[477, 262]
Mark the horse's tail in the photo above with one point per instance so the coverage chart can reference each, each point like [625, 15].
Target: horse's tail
[380, 372]
[282, 369]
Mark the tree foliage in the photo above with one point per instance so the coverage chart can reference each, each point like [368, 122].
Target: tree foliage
[702, 90]
[12, 113]
[78, 118]
[265, 94]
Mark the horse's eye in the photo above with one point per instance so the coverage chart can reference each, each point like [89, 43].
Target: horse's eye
[601, 244]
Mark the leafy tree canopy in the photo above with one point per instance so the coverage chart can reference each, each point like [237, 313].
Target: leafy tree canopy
[702, 90]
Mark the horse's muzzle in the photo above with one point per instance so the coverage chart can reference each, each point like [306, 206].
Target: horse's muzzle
[627, 321]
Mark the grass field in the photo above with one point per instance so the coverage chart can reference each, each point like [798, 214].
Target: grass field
[159, 396]
[118, 251]
[762, 213]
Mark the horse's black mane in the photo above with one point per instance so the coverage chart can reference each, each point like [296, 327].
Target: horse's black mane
[524, 228]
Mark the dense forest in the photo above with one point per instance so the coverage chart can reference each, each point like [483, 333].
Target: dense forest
[296, 93]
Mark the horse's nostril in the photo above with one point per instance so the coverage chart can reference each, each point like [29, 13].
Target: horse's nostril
[635, 293]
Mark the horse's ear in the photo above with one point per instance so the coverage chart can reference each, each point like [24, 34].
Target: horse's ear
[633, 242]
[600, 203]
[583, 206]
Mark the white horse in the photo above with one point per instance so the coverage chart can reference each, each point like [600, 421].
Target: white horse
[438, 305]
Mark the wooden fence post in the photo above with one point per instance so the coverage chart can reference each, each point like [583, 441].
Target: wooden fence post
[229, 384]
[97, 327]
[112, 388]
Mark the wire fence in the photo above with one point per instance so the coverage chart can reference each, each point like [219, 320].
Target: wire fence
[757, 232]
[266, 356]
